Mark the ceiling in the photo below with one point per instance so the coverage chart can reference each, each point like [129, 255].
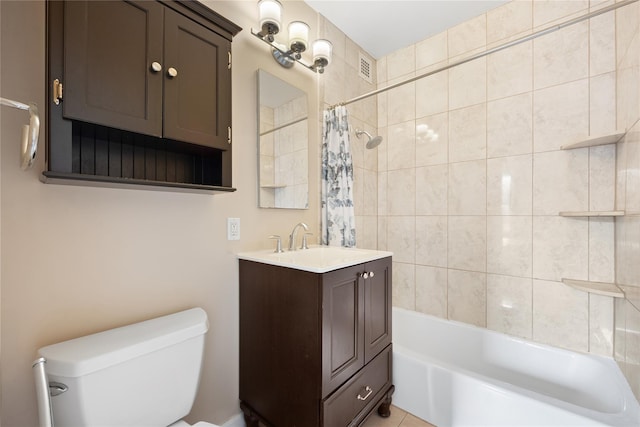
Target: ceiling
[384, 26]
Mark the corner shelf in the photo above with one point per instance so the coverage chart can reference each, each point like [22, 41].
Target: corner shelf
[598, 288]
[593, 141]
[591, 213]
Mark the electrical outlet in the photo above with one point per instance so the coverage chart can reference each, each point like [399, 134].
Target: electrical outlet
[233, 228]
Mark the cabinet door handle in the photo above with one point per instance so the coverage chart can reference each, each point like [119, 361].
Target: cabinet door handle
[156, 67]
[369, 390]
[172, 72]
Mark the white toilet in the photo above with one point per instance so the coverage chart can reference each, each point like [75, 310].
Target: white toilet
[145, 374]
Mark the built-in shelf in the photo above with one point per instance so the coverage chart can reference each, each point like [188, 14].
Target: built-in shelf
[592, 213]
[593, 141]
[51, 177]
[599, 288]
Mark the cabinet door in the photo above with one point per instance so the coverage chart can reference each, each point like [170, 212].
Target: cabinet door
[377, 294]
[342, 327]
[197, 100]
[109, 48]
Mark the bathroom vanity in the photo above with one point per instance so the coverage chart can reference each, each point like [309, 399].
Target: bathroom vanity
[315, 337]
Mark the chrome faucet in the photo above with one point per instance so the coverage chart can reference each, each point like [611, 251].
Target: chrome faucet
[292, 236]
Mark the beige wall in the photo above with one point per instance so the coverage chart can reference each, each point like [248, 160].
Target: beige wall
[627, 326]
[77, 260]
[472, 217]
[1, 358]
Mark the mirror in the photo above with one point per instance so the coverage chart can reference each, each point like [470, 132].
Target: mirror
[283, 152]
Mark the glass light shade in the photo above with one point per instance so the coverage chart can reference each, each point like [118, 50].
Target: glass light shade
[298, 36]
[270, 13]
[322, 51]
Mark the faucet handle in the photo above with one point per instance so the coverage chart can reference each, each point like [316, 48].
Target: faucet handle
[278, 243]
[304, 240]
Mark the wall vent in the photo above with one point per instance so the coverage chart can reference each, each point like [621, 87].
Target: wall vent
[365, 68]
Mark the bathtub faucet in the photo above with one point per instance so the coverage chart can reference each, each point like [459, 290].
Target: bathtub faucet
[292, 236]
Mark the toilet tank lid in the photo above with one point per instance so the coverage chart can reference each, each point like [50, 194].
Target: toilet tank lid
[81, 356]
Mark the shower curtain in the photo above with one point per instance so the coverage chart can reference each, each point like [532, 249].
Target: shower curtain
[338, 218]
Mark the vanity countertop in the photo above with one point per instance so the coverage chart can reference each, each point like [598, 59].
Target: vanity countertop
[316, 259]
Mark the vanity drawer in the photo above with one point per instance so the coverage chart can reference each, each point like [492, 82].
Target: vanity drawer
[364, 389]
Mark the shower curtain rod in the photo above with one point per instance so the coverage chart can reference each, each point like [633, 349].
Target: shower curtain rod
[283, 126]
[492, 50]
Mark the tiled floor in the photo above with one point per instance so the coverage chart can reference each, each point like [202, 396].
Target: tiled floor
[398, 418]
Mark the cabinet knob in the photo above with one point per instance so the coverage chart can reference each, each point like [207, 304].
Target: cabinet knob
[371, 274]
[156, 67]
[365, 275]
[172, 72]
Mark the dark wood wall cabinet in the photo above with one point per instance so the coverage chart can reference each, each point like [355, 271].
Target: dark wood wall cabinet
[139, 92]
[315, 348]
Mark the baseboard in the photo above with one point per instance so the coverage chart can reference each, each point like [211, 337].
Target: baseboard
[235, 421]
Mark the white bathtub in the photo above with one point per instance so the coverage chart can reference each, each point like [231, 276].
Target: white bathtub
[453, 374]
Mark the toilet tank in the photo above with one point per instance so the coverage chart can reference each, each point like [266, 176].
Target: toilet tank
[144, 374]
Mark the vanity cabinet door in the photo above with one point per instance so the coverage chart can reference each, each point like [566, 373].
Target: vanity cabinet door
[197, 100]
[342, 327]
[109, 48]
[377, 296]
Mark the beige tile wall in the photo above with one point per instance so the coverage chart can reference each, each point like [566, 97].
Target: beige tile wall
[472, 213]
[471, 176]
[291, 155]
[627, 312]
[339, 83]
[284, 156]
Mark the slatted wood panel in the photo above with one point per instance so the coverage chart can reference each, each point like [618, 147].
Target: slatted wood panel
[103, 151]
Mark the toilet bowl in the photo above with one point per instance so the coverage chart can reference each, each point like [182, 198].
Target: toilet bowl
[100, 378]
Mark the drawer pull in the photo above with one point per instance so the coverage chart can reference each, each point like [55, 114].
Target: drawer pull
[368, 390]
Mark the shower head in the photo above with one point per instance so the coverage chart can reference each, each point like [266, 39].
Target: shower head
[373, 142]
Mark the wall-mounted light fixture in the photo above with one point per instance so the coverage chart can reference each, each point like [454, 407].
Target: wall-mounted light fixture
[270, 12]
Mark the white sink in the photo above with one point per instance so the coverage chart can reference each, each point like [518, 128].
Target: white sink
[316, 259]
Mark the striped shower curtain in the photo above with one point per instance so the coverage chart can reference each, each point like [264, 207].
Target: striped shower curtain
[338, 218]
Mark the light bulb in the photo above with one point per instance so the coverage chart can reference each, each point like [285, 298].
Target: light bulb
[298, 36]
[270, 16]
[322, 52]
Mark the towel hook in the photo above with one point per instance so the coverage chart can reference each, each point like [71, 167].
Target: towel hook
[30, 132]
